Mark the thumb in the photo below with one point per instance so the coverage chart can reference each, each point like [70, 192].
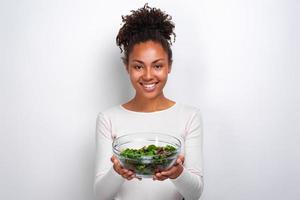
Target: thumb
[180, 159]
[113, 158]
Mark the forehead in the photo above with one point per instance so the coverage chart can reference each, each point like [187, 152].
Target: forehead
[147, 51]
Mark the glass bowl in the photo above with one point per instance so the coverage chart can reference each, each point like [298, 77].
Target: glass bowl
[146, 153]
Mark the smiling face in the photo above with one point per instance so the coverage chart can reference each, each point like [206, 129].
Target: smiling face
[148, 68]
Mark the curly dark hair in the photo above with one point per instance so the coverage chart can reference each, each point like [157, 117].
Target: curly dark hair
[143, 25]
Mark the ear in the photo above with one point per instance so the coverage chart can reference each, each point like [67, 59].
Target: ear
[170, 67]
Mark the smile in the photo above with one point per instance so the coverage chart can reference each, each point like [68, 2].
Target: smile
[149, 87]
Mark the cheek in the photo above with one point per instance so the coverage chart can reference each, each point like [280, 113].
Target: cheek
[162, 75]
[134, 76]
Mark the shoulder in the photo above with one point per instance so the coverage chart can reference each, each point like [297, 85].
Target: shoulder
[110, 111]
[193, 119]
[190, 114]
[106, 115]
[188, 109]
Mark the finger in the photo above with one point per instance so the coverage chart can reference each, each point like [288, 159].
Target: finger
[118, 168]
[117, 163]
[124, 171]
[160, 177]
[180, 159]
[170, 172]
[128, 174]
[130, 178]
[112, 158]
[132, 175]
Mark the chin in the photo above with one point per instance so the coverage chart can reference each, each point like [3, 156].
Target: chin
[150, 96]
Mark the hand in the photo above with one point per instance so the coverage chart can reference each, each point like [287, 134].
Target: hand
[172, 172]
[125, 173]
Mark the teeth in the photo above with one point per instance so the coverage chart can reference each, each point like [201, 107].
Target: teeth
[149, 85]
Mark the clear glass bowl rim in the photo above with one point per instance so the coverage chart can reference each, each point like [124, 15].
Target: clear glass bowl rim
[116, 151]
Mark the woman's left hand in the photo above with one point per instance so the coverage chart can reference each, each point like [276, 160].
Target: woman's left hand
[172, 172]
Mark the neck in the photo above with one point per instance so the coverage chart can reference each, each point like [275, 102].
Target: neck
[141, 104]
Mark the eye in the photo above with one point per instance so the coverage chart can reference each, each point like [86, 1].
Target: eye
[158, 66]
[138, 67]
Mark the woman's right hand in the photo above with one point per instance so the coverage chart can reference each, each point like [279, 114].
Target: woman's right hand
[125, 173]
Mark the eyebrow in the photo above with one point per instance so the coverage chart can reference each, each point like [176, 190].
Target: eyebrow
[139, 61]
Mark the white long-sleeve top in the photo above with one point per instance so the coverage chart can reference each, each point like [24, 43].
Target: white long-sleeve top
[181, 121]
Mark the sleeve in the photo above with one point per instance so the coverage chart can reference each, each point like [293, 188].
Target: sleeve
[106, 182]
[190, 181]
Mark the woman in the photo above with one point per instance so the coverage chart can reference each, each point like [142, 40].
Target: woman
[145, 38]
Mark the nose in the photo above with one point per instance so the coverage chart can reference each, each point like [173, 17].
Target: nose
[147, 74]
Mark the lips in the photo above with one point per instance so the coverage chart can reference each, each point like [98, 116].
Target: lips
[149, 87]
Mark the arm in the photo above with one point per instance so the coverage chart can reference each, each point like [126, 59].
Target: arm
[190, 181]
[107, 182]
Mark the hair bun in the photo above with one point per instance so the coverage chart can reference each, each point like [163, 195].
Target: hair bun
[144, 24]
[145, 19]
[149, 19]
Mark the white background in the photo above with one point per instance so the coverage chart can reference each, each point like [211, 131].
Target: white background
[237, 60]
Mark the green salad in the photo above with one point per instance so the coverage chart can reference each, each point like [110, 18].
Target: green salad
[149, 159]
